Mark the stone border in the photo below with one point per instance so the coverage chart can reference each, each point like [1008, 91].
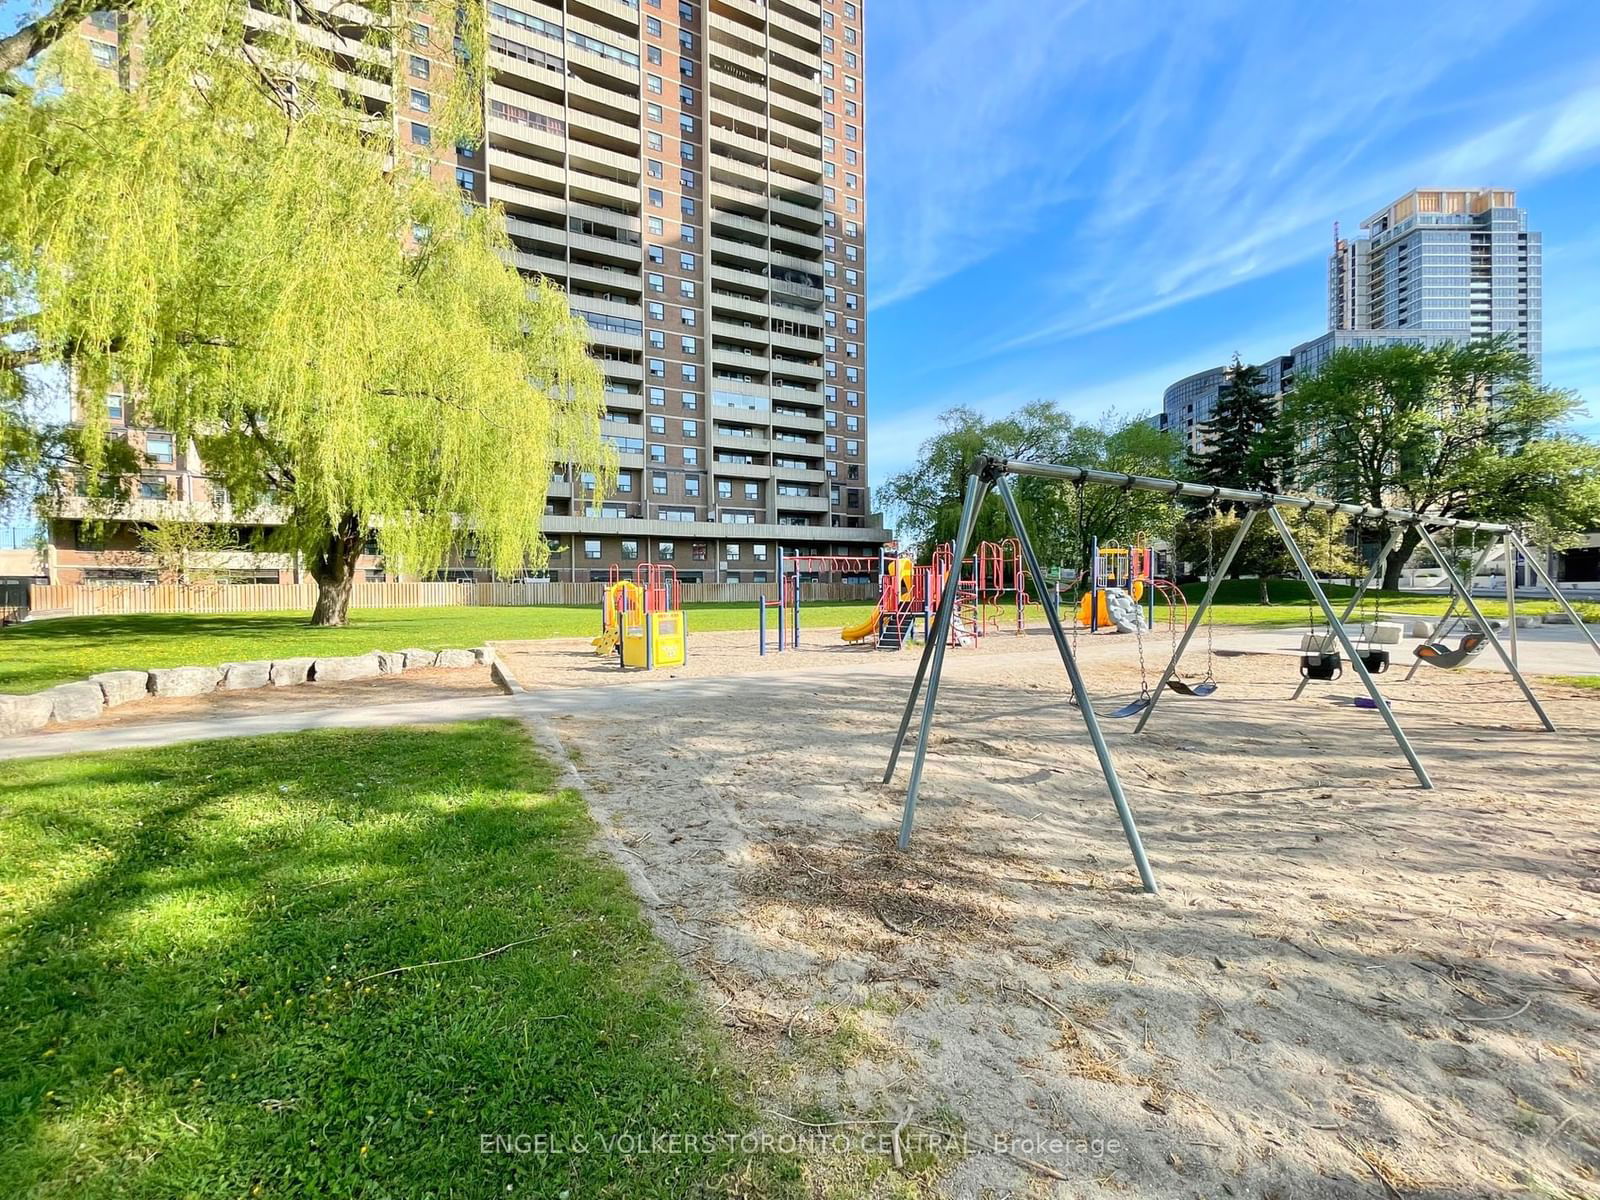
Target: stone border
[87, 700]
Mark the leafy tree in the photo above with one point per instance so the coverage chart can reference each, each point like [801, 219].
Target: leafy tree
[1461, 430]
[186, 551]
[233, 241]
[925, 500]
[1240, 447]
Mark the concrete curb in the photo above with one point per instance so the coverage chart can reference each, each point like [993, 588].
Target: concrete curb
[69, 703]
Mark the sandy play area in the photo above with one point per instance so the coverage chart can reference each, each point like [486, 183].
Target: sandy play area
[1347, 987]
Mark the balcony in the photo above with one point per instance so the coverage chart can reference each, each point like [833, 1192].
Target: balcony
[519, 168]
[722, 302]
[737, 278]
[752, 334]
[624, 107]
[797, 343]
[554, 268]
[729, 251]
[623, 253]
[624, 282]
[520, 138]
[800, 504]
[744, 361]
[616, 368]
[602, 131]
[808, 215]
[613, 14]
[754, 443]
[750, 226]
[797, 424]
[603, 190]
[738, 194]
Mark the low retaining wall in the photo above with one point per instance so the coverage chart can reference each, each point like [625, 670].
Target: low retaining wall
[71, 703]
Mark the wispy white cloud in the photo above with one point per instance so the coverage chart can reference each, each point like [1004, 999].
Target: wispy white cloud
[1128, 163]
[958, 166]
[897, 438]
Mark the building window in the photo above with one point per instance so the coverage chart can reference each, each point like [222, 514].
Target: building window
[114, 407]
[421, 101]
[419, 66]
[666, 551]
[658, 484]
[158, 447]
[691, 458]
[421, 135]
[658, 425]
[630, 550]
[691, 485]
[658, 368]
[591, 547]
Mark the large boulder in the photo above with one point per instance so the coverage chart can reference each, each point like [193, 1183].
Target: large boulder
[354, 666]
[236, 676]
[287, 672]
[1420, 628]
[122, 687]
[70, 702]
[484, 655]
[1385, 633]
[185, 681]
[416, 659]
[457, 658]
[24, 714]
[391, 662]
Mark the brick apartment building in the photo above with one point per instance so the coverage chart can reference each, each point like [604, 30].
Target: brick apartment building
[693, 173]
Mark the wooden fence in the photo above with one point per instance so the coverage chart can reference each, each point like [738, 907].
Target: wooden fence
[119, 599]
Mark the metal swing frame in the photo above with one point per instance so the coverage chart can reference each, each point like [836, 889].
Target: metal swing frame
[990, 473]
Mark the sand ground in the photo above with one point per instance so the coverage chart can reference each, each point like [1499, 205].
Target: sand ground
[1348, 986]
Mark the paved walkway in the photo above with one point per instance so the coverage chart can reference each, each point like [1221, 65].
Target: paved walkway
[1541, 649]
[551, 702]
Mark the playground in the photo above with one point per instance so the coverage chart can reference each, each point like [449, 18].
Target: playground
[1369, 967]
[1346, 980]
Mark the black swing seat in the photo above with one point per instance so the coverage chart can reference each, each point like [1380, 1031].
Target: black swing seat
[1199, 689]
[1376, 661]
[1321, 666]
[1437, 654]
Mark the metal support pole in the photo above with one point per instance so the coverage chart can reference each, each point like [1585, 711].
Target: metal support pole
[1366, 584]
[1114, 785]
[795, 636]
[1465, 592]
[762, 625]
[1217, 576]
[1511, 593]
[1360, 667]
[1550, 585]
[933, 652]
[1094, 584]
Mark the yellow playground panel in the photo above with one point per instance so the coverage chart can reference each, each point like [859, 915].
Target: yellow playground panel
[653, 639]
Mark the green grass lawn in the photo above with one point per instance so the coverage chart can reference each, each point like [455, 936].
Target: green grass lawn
[40, 654]
[1238, 603]
[192, 940]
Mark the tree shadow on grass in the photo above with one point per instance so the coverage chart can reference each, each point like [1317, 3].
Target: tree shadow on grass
[193, 948]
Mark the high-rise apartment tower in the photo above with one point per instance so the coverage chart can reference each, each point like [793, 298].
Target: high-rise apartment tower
[693, 173]
[1460, 263]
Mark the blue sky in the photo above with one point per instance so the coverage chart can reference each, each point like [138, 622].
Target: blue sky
[1087, 201]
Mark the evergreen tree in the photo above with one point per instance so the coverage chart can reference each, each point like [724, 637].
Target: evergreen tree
[1239, 443]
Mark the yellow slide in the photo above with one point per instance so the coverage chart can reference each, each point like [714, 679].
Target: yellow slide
[865, 629]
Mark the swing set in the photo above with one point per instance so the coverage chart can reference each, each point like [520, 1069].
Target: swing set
[989, 472]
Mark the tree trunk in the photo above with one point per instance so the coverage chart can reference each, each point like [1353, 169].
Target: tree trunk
[1396, 562]
[1266, 595]
[333, 566]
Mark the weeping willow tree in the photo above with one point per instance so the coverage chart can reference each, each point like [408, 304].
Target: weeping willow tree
[225, 230]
